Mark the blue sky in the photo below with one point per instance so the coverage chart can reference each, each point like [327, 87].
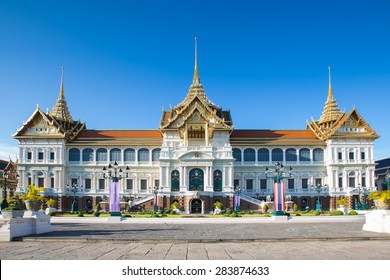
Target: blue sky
[266, 61]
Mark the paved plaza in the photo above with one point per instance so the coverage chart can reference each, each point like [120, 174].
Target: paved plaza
[303, 238]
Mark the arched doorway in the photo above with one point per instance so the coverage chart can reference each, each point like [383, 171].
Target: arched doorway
[196, 206]
[196, 179]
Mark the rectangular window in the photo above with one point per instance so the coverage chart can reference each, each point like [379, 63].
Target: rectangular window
[40, 156]
[102, 184]
[249, 184]
[144, 185]
[129, 184]
[318, 181]
[290, 184]
[351, 182]
[305, 183]
[340, 155]
[263, 184]
[340, 182]
[363, 155]
[236, 183]
[363, 181]
[156, 183]
[51, 155]
[351, 155]
[29, 181]
[52, 182]
[29, 155]
[41, 182]
[88, 183]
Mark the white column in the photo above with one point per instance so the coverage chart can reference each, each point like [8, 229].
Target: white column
[207, 175]
[186, 176]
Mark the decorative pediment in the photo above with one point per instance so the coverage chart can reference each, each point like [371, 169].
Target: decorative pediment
[40, 125]
[349, 125]
[196, 156]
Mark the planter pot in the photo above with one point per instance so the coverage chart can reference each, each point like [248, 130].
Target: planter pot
[50, 210]
[7, 214]
[381, 205]
[33, 205]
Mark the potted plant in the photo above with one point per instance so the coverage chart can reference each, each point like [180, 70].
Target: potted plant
[175, 207]
[381, 199]
[33, 199]
[218, 207]
[50, 206]
[14, 209]
[341, 202]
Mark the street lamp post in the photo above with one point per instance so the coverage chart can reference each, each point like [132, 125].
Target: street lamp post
[4, 203]
[115, 174]
[278, 174]
[155, 191]
[319, 188]
[362, 190]
[74, 189]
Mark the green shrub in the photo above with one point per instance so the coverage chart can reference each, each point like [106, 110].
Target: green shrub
[267, 215]
[234, 215]
[352, 212]
[295, 207]
[96, 214]
[337, 213]
[226, 215]
[51, 213]
[297, 214]
[126, 215]
[228, 211]
[287, 214]
[80, 214]
[265, 208]
[316, 213]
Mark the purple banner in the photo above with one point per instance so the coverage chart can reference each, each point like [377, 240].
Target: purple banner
[114, 197]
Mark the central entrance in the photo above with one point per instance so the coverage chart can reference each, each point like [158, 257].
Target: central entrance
[196, 206]
[196, 179]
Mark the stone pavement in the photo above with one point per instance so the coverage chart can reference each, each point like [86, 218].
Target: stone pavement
[302, 238]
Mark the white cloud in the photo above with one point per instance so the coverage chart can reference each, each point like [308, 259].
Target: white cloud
[7, 152]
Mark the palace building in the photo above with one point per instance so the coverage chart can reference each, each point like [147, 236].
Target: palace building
[197, 157]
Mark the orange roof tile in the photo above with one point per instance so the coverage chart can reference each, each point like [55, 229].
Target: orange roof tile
[119, 134]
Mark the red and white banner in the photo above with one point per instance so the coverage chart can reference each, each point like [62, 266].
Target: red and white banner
[279, 196]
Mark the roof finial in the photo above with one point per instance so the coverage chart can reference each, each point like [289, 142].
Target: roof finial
[330, 94]
[62, 95]
[196, 79]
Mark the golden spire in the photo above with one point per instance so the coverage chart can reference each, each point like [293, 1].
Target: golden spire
[196, 79]
[60, 110]
[330, 94]
[331, 110]
[62, 96]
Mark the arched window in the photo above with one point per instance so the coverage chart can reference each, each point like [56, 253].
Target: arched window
[196, 179]
[217, 181]
[263, 155]
[129, 154]
[101, 154]
[88, 154]
[304, 154]
[156, 154]
[115, 154]
[74, 154]
[237, 154]
[291, 154]
[277, 154]
[318, 154]
[143, 155]
[249, 155]
[175, 181]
